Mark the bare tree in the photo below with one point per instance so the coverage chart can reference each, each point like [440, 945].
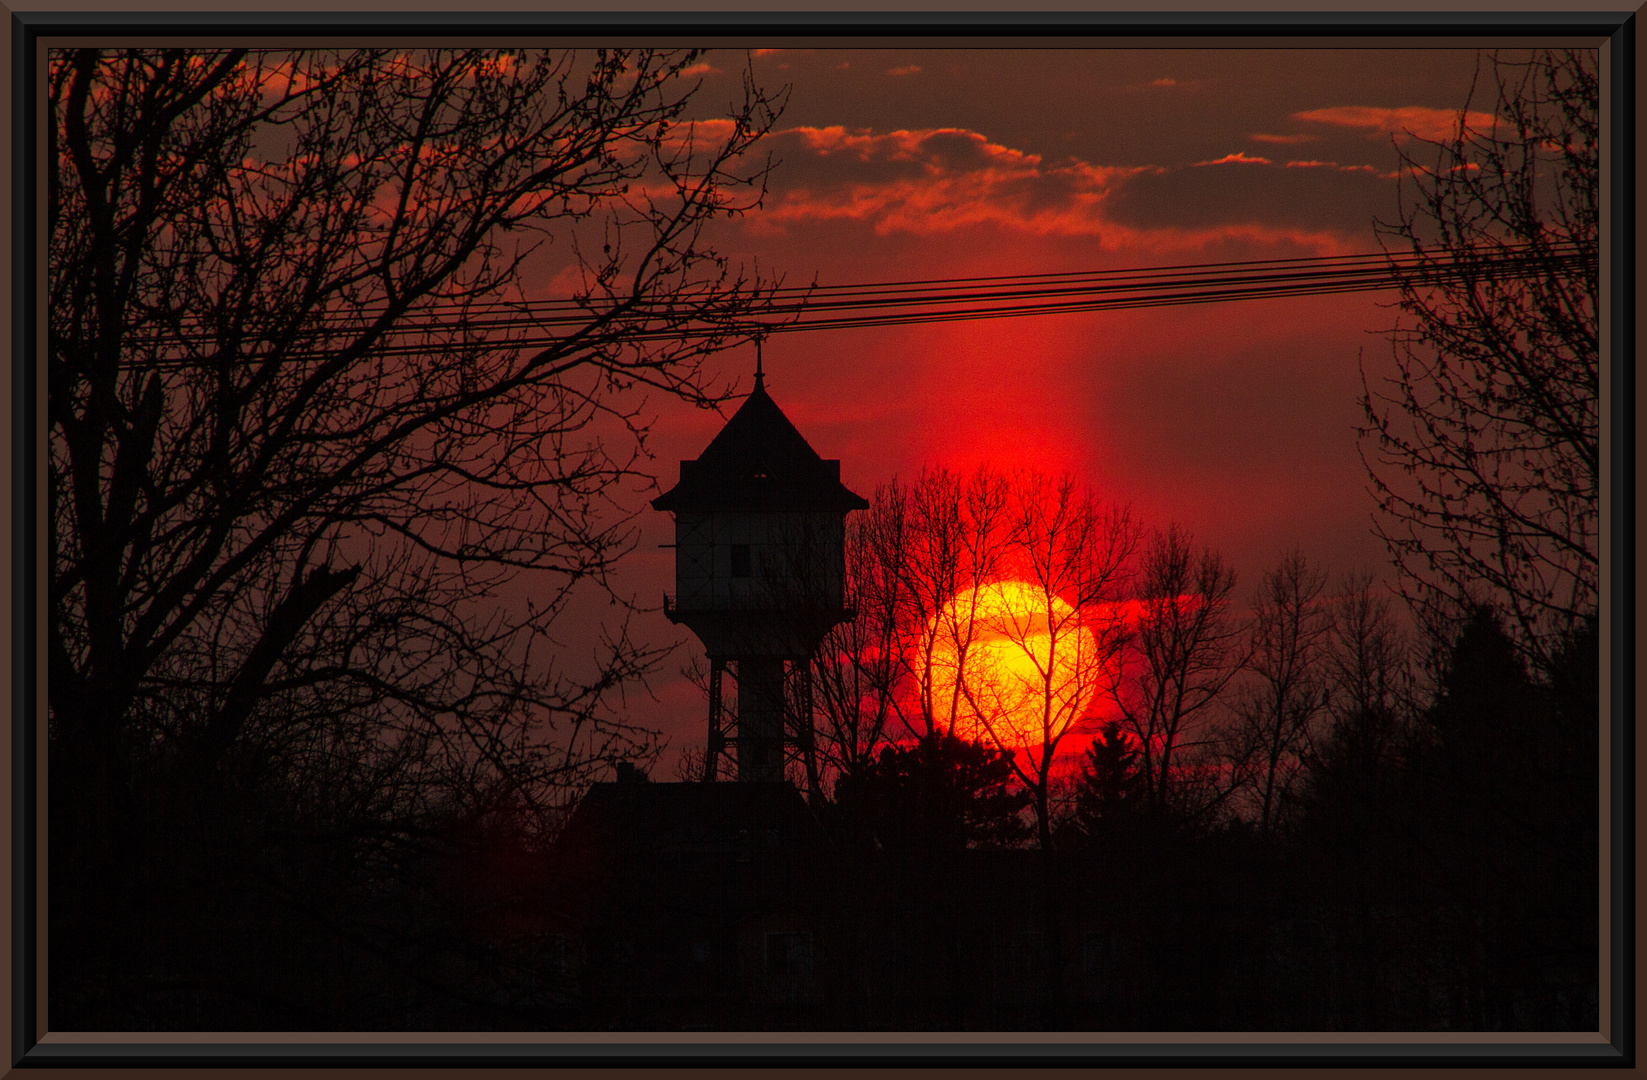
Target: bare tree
[882, 676]
[1370, 700]
[862, 663]
[1186, 647]
[1055, 648]
[313, 473]
[1484, 445]
[955, 529]
[1286, 663]
[1368, 668]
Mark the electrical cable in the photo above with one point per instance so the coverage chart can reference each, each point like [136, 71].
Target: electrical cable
[525, 325]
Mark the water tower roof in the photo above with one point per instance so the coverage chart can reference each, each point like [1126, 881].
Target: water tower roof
[759, 461]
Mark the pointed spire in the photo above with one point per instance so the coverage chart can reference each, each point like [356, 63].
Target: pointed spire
[759, 461]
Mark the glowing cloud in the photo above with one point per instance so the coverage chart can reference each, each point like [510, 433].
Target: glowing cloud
[935, 180]
[1237, 158]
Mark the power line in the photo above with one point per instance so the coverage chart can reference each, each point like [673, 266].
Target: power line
[791, 309]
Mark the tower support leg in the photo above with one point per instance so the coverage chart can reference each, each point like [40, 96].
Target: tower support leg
[760, 719]
[804, 733]
[717, 736]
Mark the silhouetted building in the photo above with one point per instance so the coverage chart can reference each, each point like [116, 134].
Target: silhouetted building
[716, 905]
[726, 907]
[680, 906]
[759, 574]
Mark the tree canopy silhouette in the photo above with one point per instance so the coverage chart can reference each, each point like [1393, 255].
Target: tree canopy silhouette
[272, 509]
[317, 513]
[938, 793]
[1109, 785]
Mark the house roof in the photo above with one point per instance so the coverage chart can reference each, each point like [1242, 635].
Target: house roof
[759, 461]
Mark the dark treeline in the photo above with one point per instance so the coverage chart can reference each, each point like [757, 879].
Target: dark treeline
[1422, 855]
[1435, 868]
[1431, 865]
[1287, 813]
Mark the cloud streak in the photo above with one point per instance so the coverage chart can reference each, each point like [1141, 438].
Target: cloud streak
[1336, 167]
[1434, 125]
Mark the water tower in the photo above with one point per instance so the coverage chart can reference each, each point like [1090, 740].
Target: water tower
[760, 566]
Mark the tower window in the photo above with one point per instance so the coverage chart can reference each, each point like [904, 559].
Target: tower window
[740, 561]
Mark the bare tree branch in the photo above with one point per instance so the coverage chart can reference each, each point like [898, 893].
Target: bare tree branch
[302, 477]
[1484, 444]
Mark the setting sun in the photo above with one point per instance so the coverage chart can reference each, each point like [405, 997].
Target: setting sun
[1011, 664]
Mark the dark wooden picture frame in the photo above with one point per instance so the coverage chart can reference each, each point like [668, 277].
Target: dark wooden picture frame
[33, 1043]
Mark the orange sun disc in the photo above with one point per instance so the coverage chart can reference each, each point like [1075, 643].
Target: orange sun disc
[1011, 665]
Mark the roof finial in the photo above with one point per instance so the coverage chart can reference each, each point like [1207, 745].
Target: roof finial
[760, 378]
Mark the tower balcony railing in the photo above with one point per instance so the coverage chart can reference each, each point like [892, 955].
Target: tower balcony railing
[847, 611]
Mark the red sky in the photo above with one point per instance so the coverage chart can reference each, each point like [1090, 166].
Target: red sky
[1234, 419]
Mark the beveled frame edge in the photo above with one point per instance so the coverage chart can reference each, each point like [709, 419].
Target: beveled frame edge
[30, 1042]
